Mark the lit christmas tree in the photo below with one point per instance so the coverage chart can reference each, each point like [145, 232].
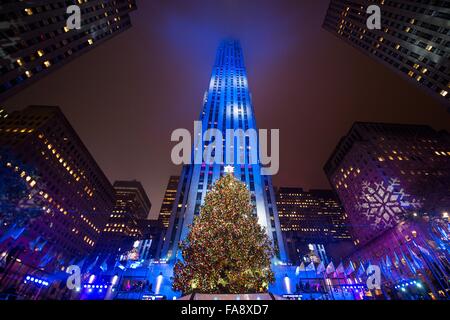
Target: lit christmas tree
[226, 251]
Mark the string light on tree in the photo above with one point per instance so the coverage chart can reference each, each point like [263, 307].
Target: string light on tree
[226, 250]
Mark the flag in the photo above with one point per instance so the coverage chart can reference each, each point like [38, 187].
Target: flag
[17, 233]
[3, 259]
[320, 268]
[299, 269]
[34, 243]
[415, 259]
[330, 268]
[60, 259]
[361, 270]
[388, 262]
[396, 260]
[311, 267]
[92, 265]
[46, 259]
[340, 269]
[350, 268]
[302, 267]
[423, 250]
[384, 268]
[12, 232]
[41, 245]
[410, 266]
[104, 265]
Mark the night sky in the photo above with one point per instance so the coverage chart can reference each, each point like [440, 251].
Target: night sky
[125, 97]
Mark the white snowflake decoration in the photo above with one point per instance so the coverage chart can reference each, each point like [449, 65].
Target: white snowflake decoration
[384, 205]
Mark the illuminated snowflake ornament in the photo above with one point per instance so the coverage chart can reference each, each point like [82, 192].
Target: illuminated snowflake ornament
[384, 205]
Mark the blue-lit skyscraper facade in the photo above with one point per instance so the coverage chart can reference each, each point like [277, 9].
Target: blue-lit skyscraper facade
[227, 105]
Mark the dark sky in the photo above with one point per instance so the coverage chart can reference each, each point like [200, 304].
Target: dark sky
[125, 97]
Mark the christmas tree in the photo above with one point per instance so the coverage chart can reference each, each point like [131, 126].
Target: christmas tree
[226, 250]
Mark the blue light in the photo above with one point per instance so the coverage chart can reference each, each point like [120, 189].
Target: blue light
[28, 277]
[159, 281]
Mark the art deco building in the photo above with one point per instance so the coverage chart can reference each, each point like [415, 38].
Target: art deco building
[227, 105]
[63, 204]
[383, 173]
[169, 200]
[414, 39]
[310, 218]
[123, 226]
[394, 183]
[35, 39]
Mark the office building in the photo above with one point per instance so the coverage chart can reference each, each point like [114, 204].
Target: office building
[36, 39]
[414, 38]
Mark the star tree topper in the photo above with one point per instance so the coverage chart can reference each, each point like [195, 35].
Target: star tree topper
[229, 169]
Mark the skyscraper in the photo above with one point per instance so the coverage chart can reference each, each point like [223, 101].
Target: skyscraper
[169, 200]
[54, 199]
[387, 173]
[35, 39]
[414, 38]
[227, 105]
[394, 183]
[310, 218]
[131, 197]
[123, 227]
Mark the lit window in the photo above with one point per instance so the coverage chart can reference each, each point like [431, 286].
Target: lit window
[90, 41]
[19, 62]
[66, 29]
[29, 11]
[429, 47]
[444, 93]
[47, 63]
[28, 73]
[40, 52]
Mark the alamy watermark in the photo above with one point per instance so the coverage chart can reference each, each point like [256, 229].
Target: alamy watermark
[374, 277]
[74, 19]
[74, 279]
[237, 147]
[374, 20]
